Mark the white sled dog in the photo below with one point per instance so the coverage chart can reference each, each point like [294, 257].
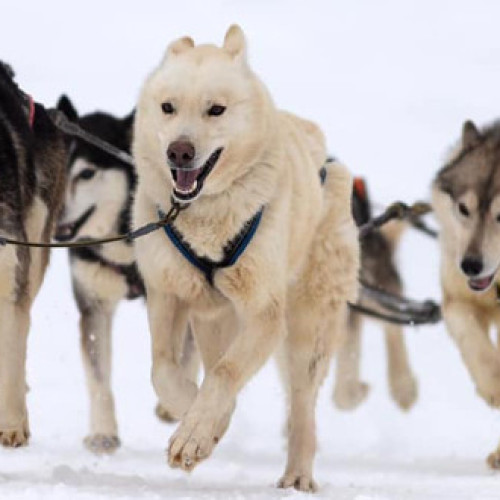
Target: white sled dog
[466, 199]
[265, 255]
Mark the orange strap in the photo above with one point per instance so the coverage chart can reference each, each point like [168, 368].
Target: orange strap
[360, 187]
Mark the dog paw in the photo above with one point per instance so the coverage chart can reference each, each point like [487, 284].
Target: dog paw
[191, 443]
[301, 482]
[102, 444]
[493, 460]
[351, 395]
[164, 415]
[14, 438]
[404, 391]
[490, 395]
[195, 438]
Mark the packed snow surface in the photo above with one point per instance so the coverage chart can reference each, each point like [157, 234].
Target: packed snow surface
[390, 83]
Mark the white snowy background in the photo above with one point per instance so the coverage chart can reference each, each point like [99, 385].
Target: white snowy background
[390, 82]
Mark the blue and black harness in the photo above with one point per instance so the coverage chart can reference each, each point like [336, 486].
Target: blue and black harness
[233, 249]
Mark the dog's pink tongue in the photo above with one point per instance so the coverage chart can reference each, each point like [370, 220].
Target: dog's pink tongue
[481, 283]
[186, 178]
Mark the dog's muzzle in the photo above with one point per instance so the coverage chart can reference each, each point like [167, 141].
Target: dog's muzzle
[69, 230]
[188, 182]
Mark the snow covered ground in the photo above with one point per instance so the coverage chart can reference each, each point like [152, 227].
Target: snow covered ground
[390, 82]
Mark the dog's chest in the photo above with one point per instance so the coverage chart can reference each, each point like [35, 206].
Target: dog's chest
[209, 239]
[100, 282]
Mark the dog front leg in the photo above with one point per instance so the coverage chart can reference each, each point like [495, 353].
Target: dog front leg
[200, 429]
[189, 364]
[168, 325]
[14, 326]
[313, 333]
[482, 359]
[95, 337]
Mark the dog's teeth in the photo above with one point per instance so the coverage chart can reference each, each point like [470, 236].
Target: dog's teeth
[187, 191]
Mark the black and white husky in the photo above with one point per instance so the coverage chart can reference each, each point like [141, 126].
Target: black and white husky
[98, 198]
[32, 179]
[97, 204]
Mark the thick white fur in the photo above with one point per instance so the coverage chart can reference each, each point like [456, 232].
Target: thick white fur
[290, 287]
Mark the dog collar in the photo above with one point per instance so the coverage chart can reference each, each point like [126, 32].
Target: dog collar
[233, 250]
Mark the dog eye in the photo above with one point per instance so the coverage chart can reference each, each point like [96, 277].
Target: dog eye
[167, 108]
[463, 210]
[216, 110]
[87, 174]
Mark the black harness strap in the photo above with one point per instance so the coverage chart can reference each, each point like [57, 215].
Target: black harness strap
[232, 250]
[72, 129]
[128, 271]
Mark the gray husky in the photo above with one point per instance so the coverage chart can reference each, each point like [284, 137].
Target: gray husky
[466, 199]
[32, 180]
[97, 204]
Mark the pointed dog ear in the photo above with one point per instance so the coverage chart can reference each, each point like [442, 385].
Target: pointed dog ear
[128, 121]
[65, 105]
[470, 135]
[128, 128]
[179, 46]
[234, 42]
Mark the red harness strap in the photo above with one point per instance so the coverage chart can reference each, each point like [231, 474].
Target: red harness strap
[360, 188]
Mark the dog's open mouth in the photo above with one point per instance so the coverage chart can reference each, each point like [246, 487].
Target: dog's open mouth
[481, 284]
[69, 230]
[188, 183]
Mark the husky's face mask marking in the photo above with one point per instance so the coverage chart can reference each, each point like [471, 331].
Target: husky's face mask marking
[203, 125]
[467, 202]
[93, 202]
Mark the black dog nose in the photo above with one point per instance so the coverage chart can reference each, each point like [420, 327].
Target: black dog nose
[472, 266]
[181, 153]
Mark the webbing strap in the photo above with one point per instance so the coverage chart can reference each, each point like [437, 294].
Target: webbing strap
[232, 251]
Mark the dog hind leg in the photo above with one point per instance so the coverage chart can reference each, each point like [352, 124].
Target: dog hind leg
[350, 391]
[402, 382]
